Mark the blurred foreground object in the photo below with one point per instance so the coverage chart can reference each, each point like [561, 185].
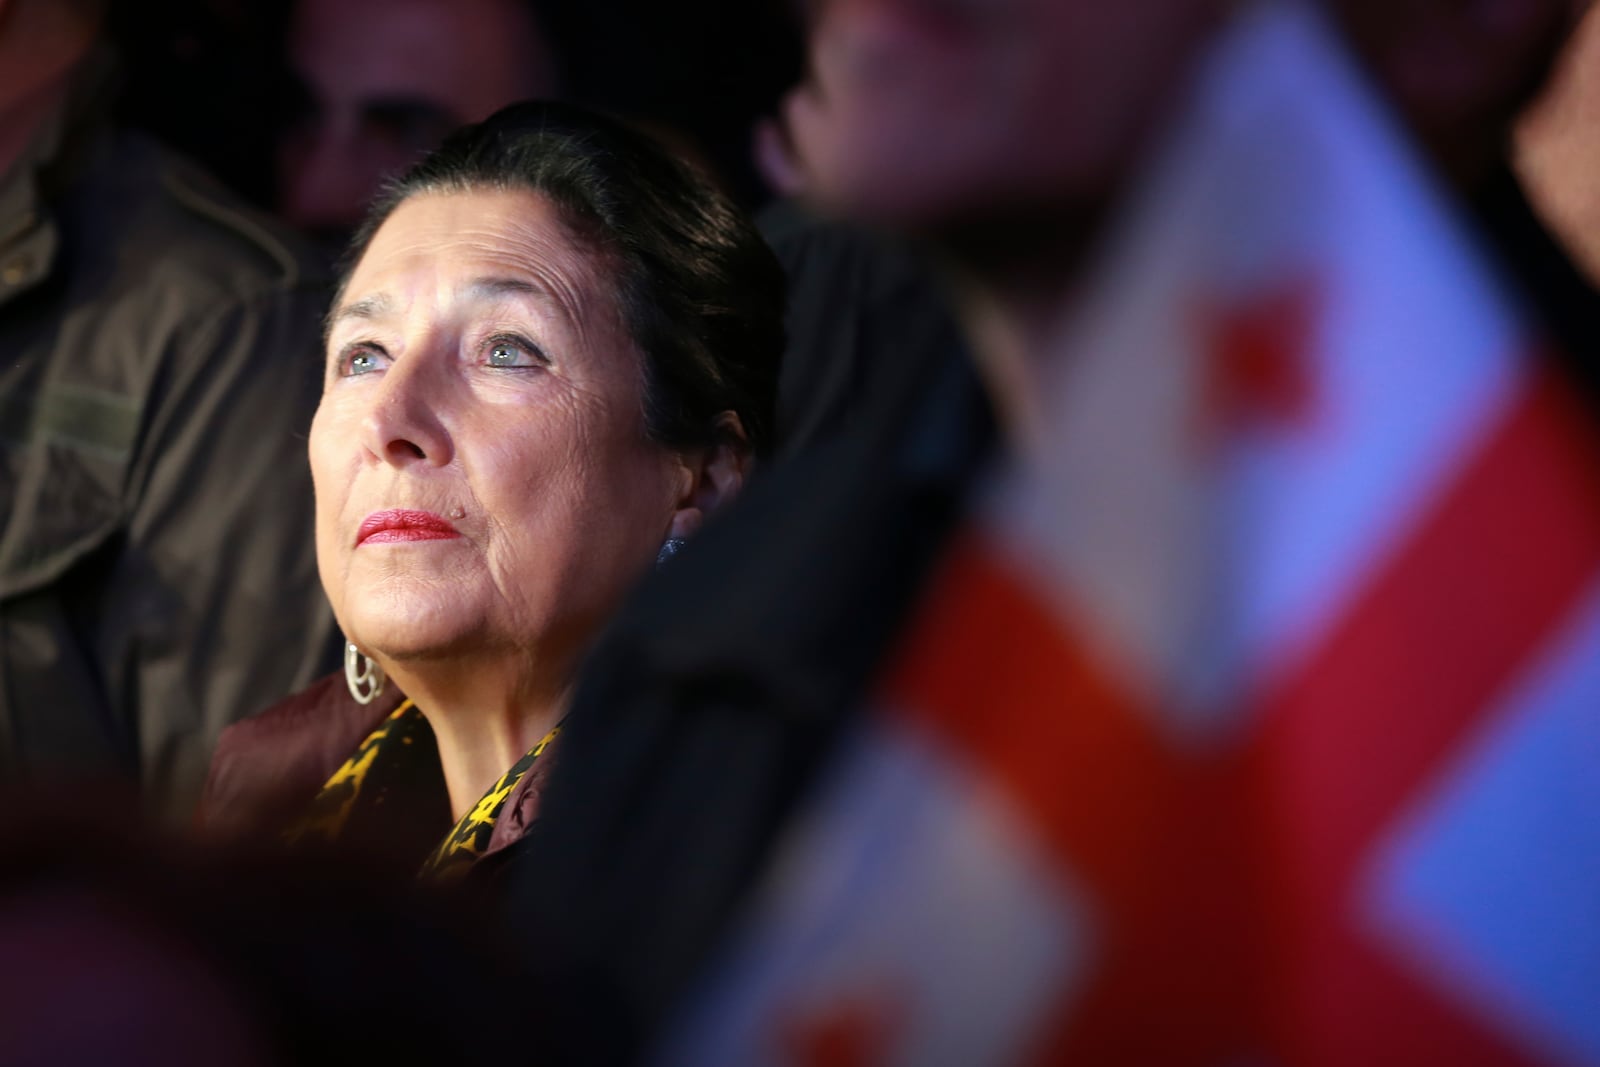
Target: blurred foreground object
[157, 375]
[1241, 708]
[1253, 714]
[145, 950]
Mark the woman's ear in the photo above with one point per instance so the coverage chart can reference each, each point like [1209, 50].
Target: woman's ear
[715, 475]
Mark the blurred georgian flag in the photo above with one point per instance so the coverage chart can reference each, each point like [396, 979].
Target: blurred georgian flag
[1257, 718]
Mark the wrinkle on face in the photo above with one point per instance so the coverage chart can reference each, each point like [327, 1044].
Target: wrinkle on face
[540, 253]
[563, 498]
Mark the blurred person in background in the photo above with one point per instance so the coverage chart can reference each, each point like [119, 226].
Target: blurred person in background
[424, 67]
[555, 354]
[208, 79]
[380, 84]
[1230, 700]
[1558, 147]
[698, 73]
[867, 314]
[157, 375]
[254, 90]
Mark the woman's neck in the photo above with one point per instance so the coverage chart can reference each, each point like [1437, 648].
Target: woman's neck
[484, 717]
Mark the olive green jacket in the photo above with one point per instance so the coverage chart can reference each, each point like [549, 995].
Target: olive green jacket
[158, 368]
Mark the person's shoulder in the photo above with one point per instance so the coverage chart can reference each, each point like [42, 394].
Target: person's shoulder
[187, 233]
[257, 246]
[267, 766]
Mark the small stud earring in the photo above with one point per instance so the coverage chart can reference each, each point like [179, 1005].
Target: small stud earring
[669, 548]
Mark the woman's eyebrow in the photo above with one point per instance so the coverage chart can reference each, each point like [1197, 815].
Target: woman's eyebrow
[373, 307]
[370, 307]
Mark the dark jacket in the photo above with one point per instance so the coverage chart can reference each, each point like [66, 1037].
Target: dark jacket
[861, 308]
[159, 363]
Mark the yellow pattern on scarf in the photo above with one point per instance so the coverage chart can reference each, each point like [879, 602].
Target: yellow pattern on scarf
[466, 842]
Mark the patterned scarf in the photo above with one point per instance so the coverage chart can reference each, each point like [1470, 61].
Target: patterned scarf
[391, 788]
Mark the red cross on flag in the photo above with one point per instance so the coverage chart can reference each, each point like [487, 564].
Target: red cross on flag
[1255, 718]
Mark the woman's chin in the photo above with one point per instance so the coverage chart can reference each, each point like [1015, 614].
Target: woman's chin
[410, 640]
[410, 618]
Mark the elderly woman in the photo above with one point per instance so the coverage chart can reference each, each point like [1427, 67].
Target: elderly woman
[556, 351]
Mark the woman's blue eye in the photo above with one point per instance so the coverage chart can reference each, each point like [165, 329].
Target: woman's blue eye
[361, 359]
[510, 353]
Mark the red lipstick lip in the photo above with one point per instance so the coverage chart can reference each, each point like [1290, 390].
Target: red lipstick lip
[404, 524]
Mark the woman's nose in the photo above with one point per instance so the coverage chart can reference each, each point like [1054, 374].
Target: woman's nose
[404, 424]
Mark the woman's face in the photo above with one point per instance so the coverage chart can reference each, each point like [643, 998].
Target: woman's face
[484, 483]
